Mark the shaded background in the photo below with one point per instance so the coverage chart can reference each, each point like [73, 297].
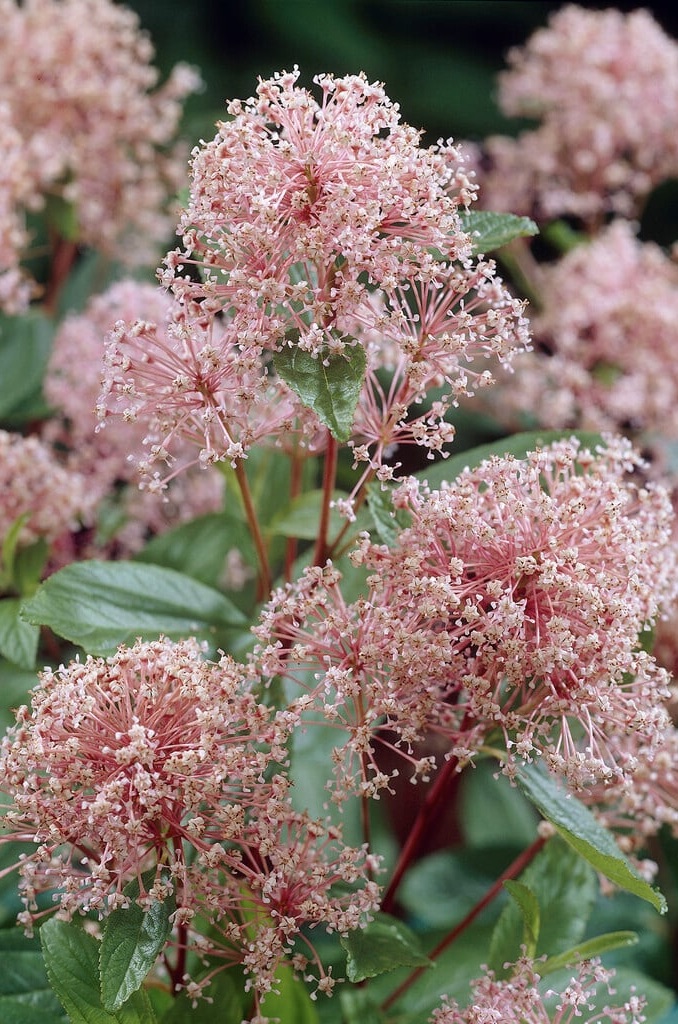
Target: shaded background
[437, 58]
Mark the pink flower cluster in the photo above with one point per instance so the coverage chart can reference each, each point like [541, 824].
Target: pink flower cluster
[157, 760]
[506, 615]
[315, 225]
[77, 80]
[601, 84]
[297, 207]
[100, 451]
[34, 485]
[523, 998]
[14, 290]
[605, 339]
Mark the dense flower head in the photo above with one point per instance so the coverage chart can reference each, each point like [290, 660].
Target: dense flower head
[96, 132]
[34, 485]
[602, 84]
[524, 999]
[14, 290]
[507, 613]
[297, 201]
[315, 225]
[157, 764]
[539, 575]
[604, 340]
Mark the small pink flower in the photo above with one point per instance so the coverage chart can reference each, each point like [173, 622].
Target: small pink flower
[102, 452]
[524, 999]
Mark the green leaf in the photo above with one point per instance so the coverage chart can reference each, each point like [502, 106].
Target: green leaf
[517, 445]
[330, 386]
[384, 944]
[291, 1002]
[585, 950]
[18, 639]
[72, 962]
[226, 1004]
[490, 231]
[131, 942]
[493, 811]
[199, 547]
[358, 1007]
[26, 996]
[578, 827]
[29, 563]
[9, 548]
[33, 1009]
[100, 605]
[447, 884]
[565, 888]
[301, 518]
[563, 237]
[25, 345]
[62, 217]
[528, 905]
[91, 275]
[387, 521]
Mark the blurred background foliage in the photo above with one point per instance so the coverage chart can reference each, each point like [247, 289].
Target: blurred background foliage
[437, 58]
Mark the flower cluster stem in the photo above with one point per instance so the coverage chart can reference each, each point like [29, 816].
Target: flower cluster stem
[329, 479]
[432, 801]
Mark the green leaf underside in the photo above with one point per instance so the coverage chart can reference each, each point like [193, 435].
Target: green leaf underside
[359, 1007]
[330, 386]
[72, 961]
[132, 940]
[517, 445]
[585, 950]
[18, 638]
[381, 946]
[528, 905]
[578, 827]
[489, 231]
[100, 605]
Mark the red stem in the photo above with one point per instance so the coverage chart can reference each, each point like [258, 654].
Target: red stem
[63, 258]
[329, 479]
[433, 798]
[295, 490]
[521, 862]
